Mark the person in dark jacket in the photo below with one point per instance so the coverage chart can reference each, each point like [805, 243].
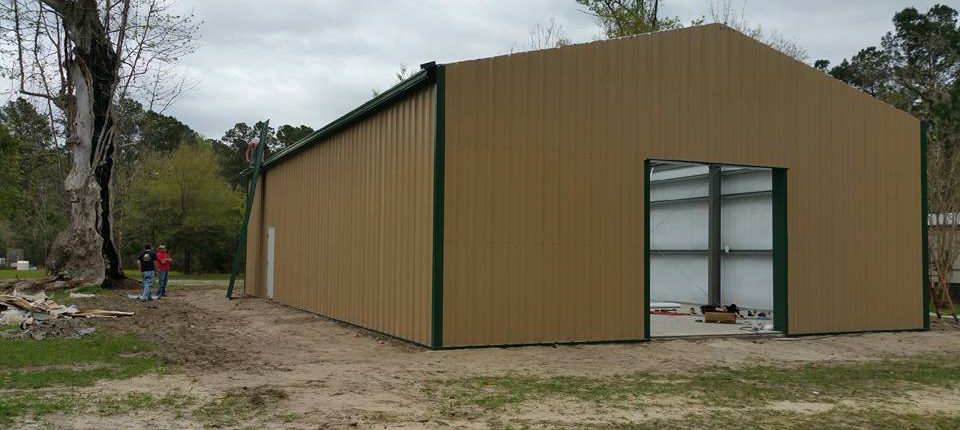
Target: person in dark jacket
[145, 261]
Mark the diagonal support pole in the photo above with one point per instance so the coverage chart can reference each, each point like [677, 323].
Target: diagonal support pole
[251, 193]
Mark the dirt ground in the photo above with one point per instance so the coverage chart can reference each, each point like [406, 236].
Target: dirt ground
[331, 375]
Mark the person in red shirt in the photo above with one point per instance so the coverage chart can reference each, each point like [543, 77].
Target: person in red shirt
[163, 270]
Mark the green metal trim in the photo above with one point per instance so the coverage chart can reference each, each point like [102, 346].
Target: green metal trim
[398, 92]
[705, 163]
[436, 314]
[840, 333]
[924, 226]
[646, 248]
[564, 343]
[251, 193]
[780, 260]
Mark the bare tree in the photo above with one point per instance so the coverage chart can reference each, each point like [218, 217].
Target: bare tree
[620, 18]
[402, 74]
[724, 12]
[84, 57]
[550, 34]
[543, 35]
[943, 194]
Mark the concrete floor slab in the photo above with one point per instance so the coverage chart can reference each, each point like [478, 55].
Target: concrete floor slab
[687, 325]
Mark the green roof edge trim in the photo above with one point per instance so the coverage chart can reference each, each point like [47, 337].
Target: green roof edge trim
[425, 76]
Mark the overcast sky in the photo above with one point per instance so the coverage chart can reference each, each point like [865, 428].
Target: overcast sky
[310, 61]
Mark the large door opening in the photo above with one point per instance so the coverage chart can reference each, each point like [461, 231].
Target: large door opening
[711, 249]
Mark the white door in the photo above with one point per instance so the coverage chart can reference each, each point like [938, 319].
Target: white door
[271, 258]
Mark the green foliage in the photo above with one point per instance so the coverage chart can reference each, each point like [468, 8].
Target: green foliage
[915, 68]
[33, 205]
[619, 18]
[231, 149]
[140, 132]
[11, 196]
[288, 135]
[180, 199]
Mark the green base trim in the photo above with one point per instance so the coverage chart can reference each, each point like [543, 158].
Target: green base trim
[841, 333]
[924, 223]
[436, 317]
[564, 343]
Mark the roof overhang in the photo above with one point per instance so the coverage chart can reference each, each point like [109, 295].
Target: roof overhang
[426, 76]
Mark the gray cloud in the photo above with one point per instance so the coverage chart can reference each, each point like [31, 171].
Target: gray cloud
[310, 61]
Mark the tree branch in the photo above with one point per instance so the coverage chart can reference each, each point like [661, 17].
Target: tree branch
[62, 7]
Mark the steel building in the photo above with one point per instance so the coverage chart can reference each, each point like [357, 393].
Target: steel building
[508, 200]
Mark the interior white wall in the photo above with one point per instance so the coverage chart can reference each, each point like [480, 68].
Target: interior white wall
[679, 226]
[747, 223]
[742, 180]
[747, 280]
[678, 278]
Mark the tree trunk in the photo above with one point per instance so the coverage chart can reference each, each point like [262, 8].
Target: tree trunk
[85, 251]
[187, 256]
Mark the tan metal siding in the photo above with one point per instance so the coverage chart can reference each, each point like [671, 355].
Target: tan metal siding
[544, 208]
[353, 218]
[255, 259]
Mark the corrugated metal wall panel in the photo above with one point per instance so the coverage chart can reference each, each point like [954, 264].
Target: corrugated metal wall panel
[253, 273]
[544, 199]
[353, 222]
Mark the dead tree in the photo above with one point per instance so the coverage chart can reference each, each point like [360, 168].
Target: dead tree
[943, 191]
[83, 57]
[724, 12]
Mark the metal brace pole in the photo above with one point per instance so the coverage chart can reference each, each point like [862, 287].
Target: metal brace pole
[713, 264]
[251, 193]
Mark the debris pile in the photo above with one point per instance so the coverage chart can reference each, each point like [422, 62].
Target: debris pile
[28, 311]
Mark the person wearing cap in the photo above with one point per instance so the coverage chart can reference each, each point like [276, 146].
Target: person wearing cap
[163, 270]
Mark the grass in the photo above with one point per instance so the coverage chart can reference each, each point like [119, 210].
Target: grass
[21, 274]
[718, 388]
[239, 405]
[29, 368]
[28, 363]
[836, 418]
[39, 404]
[63, 296]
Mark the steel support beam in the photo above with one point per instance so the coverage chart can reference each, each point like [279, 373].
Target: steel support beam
[713, 232]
